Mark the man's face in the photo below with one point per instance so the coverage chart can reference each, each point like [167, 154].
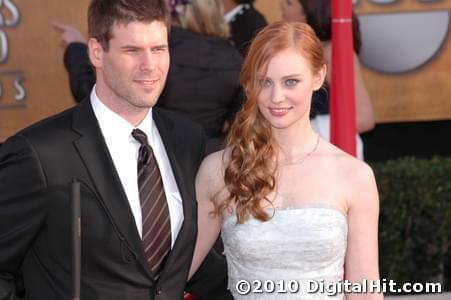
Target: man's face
[132, 73]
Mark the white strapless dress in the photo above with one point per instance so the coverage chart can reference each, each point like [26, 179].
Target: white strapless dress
[298, 250]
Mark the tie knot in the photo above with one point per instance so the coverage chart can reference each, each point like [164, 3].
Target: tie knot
[140, 136]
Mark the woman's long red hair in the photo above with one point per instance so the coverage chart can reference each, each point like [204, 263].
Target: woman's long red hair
[250, 172]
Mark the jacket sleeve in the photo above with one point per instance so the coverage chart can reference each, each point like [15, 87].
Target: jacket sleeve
[210, 280]
[22, 209]
[79, 69]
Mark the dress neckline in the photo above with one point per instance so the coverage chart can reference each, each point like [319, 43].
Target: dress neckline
[308, 206]
[302, 208]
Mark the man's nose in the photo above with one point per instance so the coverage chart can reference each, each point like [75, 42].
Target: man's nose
[148, 61]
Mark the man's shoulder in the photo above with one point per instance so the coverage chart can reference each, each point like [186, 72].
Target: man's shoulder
[49, 124]
[49, 127]
[43, 135]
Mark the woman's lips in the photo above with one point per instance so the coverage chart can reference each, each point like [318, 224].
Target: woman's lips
[279, 111]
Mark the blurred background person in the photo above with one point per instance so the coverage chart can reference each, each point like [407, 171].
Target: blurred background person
[203, 78]
[244, 20]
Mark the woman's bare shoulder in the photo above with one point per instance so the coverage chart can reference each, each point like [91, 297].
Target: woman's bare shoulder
[353, 178]
[215, 161]
[211, 171]
[346, 165]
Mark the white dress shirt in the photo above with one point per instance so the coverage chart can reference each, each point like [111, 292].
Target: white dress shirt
[124, 149]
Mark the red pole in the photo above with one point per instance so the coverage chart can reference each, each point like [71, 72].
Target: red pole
[342, 102]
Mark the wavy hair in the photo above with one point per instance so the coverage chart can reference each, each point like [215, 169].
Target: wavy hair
[250, 170]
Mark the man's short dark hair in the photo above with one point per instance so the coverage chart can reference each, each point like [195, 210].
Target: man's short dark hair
[103, 14]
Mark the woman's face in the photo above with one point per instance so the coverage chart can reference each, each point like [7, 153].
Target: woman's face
[286, 89]
[292, 10]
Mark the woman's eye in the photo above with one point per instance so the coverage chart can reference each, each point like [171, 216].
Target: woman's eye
[291, 82]
[265, 82]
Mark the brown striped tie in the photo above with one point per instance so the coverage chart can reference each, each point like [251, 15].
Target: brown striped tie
[156, 230]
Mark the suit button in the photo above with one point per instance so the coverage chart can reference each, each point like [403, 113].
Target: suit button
[158, 291]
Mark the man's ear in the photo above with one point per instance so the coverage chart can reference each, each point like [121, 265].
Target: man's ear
[319, 78]
[95, 52]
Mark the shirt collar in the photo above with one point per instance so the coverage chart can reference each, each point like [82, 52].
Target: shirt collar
[115, 127]
[228, 17]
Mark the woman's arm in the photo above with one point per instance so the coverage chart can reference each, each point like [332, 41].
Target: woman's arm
[363, 106]
[207, 181]
[365, 120]
[361, 260]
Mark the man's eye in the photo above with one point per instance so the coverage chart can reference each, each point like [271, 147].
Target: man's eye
[159, 49]
[291, 82]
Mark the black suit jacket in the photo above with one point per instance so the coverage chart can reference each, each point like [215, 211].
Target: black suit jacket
[36, 167]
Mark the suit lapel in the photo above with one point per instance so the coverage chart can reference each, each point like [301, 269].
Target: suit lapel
[165, 128]
[94, 152]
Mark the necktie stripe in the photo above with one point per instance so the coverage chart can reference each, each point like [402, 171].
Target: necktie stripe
[148, 176]
[150, 205]
[147, 210]
[148, 194]
[160, 259]
[156, 222]
[152, 217]
[157, 252]
[150, 186]
[154, 229]
[157, 259]
[164, 227]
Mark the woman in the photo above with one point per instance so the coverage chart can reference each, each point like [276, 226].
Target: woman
[203, 78]
[266, 190]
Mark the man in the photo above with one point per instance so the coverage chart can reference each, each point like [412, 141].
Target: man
[244, 20]
[136, 165]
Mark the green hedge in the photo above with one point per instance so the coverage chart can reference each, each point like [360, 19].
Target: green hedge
[415, 220]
